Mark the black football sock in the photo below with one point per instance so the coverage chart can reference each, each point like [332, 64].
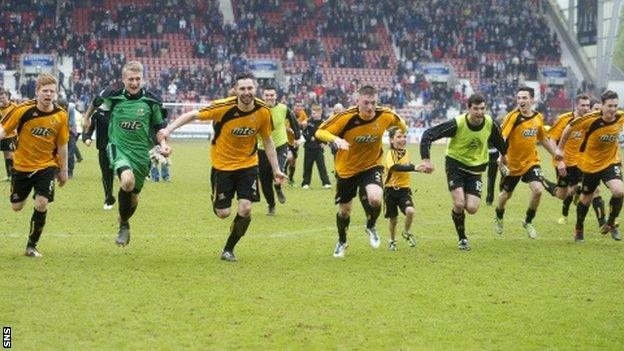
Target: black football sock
[615, 205]
[599, 208]
[500, 213]
[530, 214]
[237, 231]
[37, 222]
[581, 212]
[125, 205]
[565, 210]
[343, 226]
[458, 220]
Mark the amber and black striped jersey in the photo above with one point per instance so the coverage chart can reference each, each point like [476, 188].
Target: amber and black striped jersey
[40, 135]
[395, 176]
[4, 111]
[522, 134]
[571, 149]
[235, 132]
[600, 143]
[364, 136]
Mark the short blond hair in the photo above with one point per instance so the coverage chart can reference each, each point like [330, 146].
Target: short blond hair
[45, 79]
[133, 66]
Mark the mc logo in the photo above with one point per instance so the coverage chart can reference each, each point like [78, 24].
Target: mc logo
[608, 138]
[529, 133]
[366, 139]
[130, 125]
[243, 131]
[41, 131]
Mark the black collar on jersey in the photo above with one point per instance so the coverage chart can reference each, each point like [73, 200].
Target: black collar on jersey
[357, 121]
[133, 96]
[524, 118]
[472, 127]
[33, 113]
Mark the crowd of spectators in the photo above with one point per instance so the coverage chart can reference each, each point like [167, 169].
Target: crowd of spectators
[500, 40]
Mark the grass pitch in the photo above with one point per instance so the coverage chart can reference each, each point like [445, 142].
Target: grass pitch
[168, 289]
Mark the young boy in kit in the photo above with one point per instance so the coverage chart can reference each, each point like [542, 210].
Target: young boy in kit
[397, 192]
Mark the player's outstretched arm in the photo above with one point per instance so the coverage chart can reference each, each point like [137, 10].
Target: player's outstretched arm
[177, 123]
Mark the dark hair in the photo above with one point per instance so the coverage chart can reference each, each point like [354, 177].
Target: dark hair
[269, 87]
[580, 97]
[392, 132]
[529, 90]
[367, 90]
[476, 99]
[244, 75]
[593, 101]
[608, 95]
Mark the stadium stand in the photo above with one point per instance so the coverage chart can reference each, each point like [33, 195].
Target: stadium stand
[326, 48]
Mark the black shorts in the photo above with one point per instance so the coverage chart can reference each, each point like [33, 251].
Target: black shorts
[397, 199]
[293, 150]
[534, 174]
[8, 144]
[592, 180]
[458, 178]
[572, 178]
[243, 182]
[42, 181]
[347, 188]
[282, 156]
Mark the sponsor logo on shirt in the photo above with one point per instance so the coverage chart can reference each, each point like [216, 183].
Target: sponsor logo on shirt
[608, 138]
[529, 133]
[130, 125]
[243, 131]
[42, 131]
[365, 139]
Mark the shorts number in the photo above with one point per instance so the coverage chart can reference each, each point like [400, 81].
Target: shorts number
[478, 185]
[617, 170]
[538, 172]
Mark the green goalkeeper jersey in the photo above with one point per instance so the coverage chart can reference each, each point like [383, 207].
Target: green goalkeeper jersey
[132, 122]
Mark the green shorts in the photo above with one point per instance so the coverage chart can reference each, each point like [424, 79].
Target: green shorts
[120, 160]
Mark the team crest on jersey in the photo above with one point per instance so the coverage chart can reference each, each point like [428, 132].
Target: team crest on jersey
[243, 131]
[42, 131]
[529, 133]
[366, 139]
[130, 125]
[608, 138]
[576, 134]
[474, 144]
[140, 112]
